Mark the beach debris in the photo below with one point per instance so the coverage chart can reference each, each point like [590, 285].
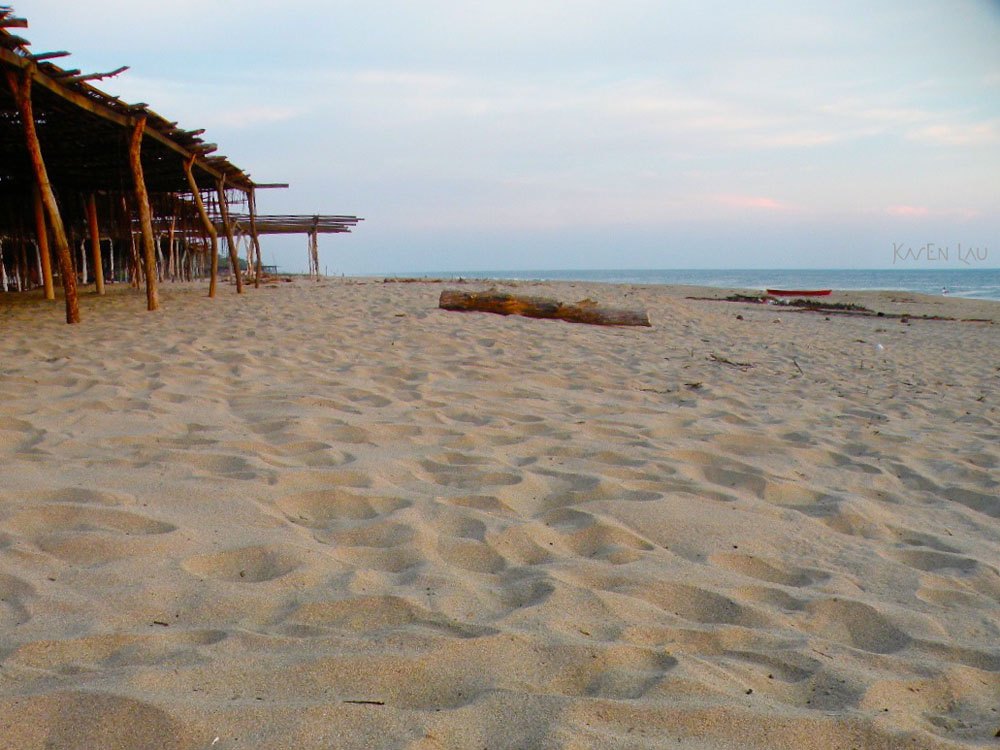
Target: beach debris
[797, 367]
[365, 702]
[834, 308]
[878, 347]
[501, 303]
[731, 363]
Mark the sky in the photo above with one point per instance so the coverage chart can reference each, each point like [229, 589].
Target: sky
[558, 134]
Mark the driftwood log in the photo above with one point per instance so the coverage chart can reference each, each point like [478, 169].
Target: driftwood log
[586, 311]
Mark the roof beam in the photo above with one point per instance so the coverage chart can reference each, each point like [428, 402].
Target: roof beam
[96, 108]
[49, 55]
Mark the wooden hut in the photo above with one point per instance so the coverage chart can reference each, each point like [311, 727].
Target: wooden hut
[116, 191]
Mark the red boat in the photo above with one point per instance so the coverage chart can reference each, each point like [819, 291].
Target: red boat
[799, 292]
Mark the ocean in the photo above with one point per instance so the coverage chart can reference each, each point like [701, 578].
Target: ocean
[978, 283]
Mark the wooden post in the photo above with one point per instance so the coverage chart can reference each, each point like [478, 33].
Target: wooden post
[42, 232]
[95, 242]
[130, 267]
[83, 262]
[252, 201]
[22, 95]
[145, 218]
[234, 259]
[315, 252]
[23, 281]
[196, 194]
[171, 252]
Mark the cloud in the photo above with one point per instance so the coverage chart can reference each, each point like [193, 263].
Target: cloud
[924, 211]
[907, 211]
[959, 134]
[750, 201]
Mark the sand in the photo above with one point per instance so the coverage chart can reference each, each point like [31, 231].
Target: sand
[330, 515]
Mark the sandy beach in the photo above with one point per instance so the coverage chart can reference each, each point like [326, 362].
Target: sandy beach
[330, 515]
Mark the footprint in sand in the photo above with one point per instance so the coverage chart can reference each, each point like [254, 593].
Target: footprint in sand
[699, 604]
[932, 561]
[978, 501]
[254, 564]
[469, 554]
[321, 509]
[81, 496]
[18, 436]
[115, 650]
[13, 594]
[93, 719]
[589, 536]
[373, 614]
[465, 472]
[359, 396]
[768, 569]
[383, 559]
[618, 672]
[378, 532]
[52, 518]
[86, 535]
[854, 624]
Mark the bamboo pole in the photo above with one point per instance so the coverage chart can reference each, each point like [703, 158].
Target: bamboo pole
[22, 95]
[252, 205]
[95, 242]
[213, 235]
[234, 259]
[42, 232]
[145, 219]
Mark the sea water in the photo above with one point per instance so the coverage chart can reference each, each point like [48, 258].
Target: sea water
[978, 283]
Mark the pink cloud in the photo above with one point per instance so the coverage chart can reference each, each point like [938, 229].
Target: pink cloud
[749, 201]
[908, 210]
[960, 213]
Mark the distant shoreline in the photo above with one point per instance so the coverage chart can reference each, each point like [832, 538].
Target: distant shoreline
[972, 283]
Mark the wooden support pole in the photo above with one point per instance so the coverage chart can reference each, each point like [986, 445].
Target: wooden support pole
[234, 259]
[171, 252]
[42, 232]
[22, 267]
[83, 262]
[133, 257]
[95, 243]
[145, 217]
[252, 206]
[22, 95]
[206, 222]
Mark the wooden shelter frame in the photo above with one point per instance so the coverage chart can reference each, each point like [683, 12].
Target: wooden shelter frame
[78, 166]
